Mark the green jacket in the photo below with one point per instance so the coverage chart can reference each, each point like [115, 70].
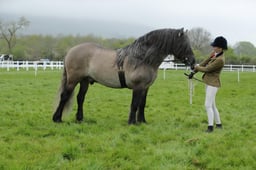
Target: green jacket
[211, 67]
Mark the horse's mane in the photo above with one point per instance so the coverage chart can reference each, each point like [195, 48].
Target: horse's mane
[147, 49]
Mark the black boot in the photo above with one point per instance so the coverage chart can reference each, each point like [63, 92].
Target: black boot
[219, 126]
[209, 129]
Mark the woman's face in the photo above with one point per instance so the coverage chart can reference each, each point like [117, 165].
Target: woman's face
[217, 49]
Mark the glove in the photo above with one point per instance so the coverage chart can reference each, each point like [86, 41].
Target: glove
[190, 76]
[192, 67]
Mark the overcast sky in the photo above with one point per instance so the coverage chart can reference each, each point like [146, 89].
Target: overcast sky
[233, 19]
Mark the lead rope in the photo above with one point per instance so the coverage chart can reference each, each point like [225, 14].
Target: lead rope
[190, 88]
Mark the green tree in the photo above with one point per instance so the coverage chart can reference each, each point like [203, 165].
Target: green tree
[9, 30]
[245, 51]
[200, 40]
[231, 57]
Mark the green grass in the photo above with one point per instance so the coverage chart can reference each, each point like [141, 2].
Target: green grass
[174, 137]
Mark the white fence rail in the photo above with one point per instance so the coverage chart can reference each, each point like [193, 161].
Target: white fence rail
[227, 67]
[242, 68]
[31, 65]
[17, 65]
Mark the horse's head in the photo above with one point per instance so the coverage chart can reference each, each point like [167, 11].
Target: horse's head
[182, 49]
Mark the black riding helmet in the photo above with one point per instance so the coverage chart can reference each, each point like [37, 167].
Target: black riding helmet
[220, 42]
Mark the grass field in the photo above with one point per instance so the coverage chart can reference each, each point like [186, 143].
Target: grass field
[173, 138]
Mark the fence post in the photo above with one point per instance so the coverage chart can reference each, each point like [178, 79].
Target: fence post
[27, 68]
[164, 73]
[8, 66]
[238, 76]
[35, 67]
[44, 65]
[191, 90]
[18, 65]
[59, 65]
[52, 65]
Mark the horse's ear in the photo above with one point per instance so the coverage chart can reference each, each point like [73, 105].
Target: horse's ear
[181, 32]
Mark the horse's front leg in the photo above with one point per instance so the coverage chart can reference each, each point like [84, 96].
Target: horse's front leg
[141, 116]
[80, 99]
[136, 98]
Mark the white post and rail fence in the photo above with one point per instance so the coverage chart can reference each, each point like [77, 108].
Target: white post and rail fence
[166, 65]
[27, 65]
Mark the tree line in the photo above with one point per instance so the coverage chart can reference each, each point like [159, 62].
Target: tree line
[35, 47]
[242, 52]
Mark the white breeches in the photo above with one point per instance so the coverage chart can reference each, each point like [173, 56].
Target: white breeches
[210, 106]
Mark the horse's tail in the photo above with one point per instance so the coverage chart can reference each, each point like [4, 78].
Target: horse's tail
[69, 103]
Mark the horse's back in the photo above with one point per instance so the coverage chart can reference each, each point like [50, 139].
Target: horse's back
[94, 61]
[82, 50]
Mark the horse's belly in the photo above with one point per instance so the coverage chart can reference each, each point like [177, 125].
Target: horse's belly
[106, 80]
[105, 73]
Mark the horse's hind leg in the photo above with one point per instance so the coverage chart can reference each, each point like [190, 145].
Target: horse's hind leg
[80, 98]
[136, 98]
[65, 96]
[141, 116]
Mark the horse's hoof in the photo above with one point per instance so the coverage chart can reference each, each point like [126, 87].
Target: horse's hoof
[142, 121]
[56, 120]
[131, 122]
[79, 121]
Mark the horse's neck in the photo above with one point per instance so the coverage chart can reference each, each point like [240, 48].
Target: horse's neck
[159, 60]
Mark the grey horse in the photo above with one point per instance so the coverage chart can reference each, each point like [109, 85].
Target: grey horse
[134, 66]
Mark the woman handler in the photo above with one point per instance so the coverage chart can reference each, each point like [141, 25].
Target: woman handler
[211, 67]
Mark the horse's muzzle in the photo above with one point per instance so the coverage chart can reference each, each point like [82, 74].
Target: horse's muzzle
[190, 61]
